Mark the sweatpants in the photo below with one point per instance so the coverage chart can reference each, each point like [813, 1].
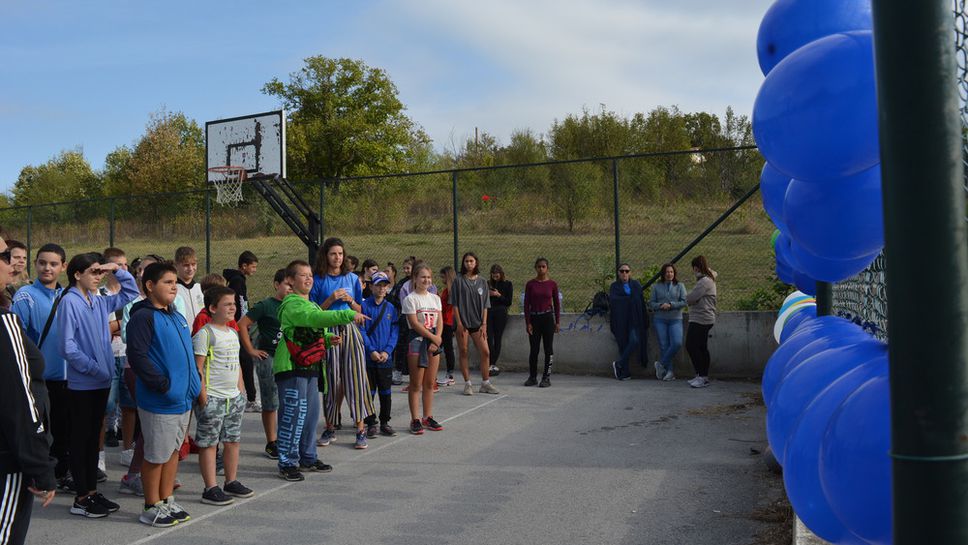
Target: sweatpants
[297, 418]
[16, 503]
[380, 383]
[60, 425]
[497, 320]
[697, 345]
[346, 367]
[542, 329]
[87, 415]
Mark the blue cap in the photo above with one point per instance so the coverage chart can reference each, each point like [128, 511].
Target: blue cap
[379, 277]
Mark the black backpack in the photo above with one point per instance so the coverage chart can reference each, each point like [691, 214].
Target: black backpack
[598, 306]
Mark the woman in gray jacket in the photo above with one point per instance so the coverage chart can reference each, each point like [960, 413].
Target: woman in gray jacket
[702, 316]
[666, 301]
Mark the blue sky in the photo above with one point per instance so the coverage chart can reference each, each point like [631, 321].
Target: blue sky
[89, 74]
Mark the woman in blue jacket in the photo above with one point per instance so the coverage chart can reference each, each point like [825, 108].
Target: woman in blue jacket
[85, 344]
[667, 300]
[628, 320]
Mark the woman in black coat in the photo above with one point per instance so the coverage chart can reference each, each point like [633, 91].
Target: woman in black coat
[629, 322]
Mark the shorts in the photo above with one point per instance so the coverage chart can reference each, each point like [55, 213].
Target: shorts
[163, 434]
[220, 420]
[473, 330]
[419, 346]
[268, 391]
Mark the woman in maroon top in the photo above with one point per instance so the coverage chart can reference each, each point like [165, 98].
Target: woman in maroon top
[542, 313]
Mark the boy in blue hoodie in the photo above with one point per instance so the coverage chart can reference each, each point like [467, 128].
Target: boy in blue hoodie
[160, 354]
[379, 339]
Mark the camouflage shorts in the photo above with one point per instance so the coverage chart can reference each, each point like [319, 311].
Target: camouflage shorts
[220, 420]
[267, 384]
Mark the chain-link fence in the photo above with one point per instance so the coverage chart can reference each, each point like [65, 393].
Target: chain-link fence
[508, 215]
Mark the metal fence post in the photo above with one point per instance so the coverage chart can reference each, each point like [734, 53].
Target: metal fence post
[924, 222]
[208, 232]
[111, 224]
[618, 244]
[30, 234]
[825, 298]
[454, 204]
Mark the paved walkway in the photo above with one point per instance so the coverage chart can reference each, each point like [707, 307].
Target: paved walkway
[590, 460]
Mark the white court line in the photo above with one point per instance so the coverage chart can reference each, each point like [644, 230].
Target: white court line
[283, 486]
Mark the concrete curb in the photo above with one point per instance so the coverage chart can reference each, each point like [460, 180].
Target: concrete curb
[803, 536]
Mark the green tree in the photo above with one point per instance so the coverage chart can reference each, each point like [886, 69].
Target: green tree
[346, 119]
[169, 157]
[116, 174]
[66, 176]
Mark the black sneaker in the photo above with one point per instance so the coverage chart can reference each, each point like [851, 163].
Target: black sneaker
[531, 381]
[372, 430]
[545, 382]
[431, 424]
[291, 474]
[66, 483]
[317, 467]
[111, 438]
[237, 489]
[272, 451]
[87, 507]
[106, 503]
[101, 476]
[215, 496]
[387, 430]
[416, 427]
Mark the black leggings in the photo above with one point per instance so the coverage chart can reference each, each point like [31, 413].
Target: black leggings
[87, 415]
[60, 425]
[542, 329]
[497, 319]
[448, 339]
[380, 383]
[400, 354]
[248, 378]
[697, 345]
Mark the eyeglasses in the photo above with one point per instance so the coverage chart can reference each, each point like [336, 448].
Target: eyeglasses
[624, 271]
[5, 256]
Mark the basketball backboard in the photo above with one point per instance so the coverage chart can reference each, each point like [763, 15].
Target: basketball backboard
[256, 142]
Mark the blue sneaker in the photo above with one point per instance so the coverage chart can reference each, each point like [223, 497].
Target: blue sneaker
[360, 440]
[326, 438]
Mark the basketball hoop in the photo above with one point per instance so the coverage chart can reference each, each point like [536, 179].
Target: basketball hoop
[228, 183]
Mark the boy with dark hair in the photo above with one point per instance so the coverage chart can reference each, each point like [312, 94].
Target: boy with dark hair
[380, 339]
[160, 354]
[248, 264]
[186, 263]
[265, 316]
[18, 266]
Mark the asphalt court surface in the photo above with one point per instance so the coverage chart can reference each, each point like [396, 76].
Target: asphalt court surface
[589, 460]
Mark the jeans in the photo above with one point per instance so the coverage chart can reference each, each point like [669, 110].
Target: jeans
[623, 360]
[297, 418]
[111, 412]
[669, 332]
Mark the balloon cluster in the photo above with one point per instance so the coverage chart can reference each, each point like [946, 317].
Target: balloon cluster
[825, 386]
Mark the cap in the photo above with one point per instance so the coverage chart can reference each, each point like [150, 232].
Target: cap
[379, 277]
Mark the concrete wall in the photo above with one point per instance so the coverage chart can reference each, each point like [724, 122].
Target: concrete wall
[740, 344]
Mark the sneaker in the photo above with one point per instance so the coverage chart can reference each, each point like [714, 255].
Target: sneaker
[253, 407]
[176, 511]
[436, 388]
[317, 467]
[693, 380]
[104, 502]
[132, 485]
[100, 461]
[101, 476]
[494, 370]
[660, 371]
[397, 378]
[272, 451]
[416, 427]
[623, 379]
[531, 381]
[372, 430]
[387, 430]
[126, 457]
[450, 380]
[669, 376]
[360, 440]
[488, 388]
[442, 381]
[157, 516]
[177, 484]
[111, 439]
[468, 389]
[405, 389]
[699, 382]
[545, 382]
[66, 483]
[431, 424]
[291, 474]
[237, 489]
[215, 496]
[89, 508]
[326, 438]
[615, 369]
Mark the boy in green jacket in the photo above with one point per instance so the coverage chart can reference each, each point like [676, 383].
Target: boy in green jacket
[297, 366]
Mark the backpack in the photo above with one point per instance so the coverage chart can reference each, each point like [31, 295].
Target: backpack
[598, 306]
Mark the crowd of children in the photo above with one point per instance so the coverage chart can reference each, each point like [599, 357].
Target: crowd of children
[136, 356]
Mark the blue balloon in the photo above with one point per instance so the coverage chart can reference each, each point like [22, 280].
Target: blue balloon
[823, 327]
[815, 116]
[855, 464]
[773, 187]
[808, 379]
[830, 270]
[837, 219]
[784, 272]
[804, 282]
[791, 24]
[783, 249]
[801, 474]
[796, 320]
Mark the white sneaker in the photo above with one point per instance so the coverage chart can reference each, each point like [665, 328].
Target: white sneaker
[659, 370]
[397, 378]
[442, 381]
[132, 485]
[450, 380]
[100, 461]
[669, 376]
[127, 456]
[158, 516]
[468, 389]
[699, 382]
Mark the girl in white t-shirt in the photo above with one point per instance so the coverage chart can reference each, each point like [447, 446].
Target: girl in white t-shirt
[422, 310]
